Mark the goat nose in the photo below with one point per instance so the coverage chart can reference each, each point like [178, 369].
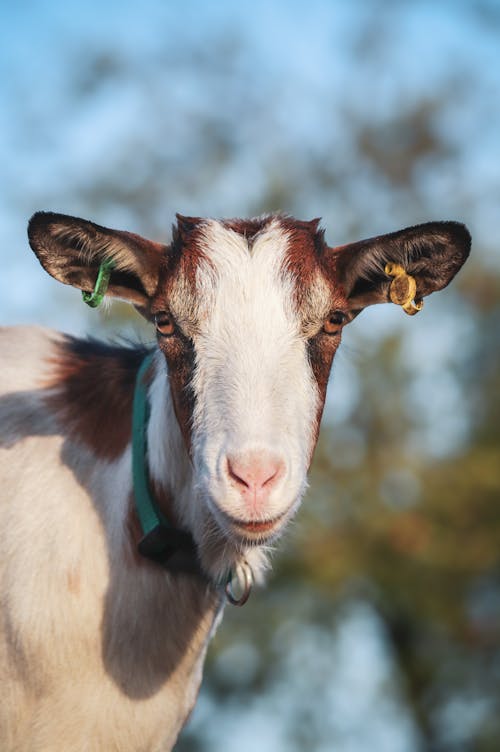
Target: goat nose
[255, 474]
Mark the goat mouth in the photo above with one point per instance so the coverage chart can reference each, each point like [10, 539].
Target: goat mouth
[257, 527]
[254, 532]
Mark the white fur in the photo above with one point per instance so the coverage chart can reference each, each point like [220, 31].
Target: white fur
[253, 384]
[96, 652]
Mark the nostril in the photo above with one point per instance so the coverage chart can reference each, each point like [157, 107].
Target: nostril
[269, 481]
[254, 471]
[234, 475]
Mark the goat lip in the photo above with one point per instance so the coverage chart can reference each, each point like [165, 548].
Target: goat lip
[256, 529]
[249, 532]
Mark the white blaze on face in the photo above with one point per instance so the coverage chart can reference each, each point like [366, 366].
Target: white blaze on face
[255, 395]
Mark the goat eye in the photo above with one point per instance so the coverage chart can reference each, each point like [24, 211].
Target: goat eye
[334, 321]
[165, 324]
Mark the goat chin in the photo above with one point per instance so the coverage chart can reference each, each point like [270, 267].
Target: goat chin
[254, 530]
[221, 548]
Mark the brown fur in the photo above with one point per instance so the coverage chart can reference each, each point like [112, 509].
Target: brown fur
[184, 253]
[182, 394]
[307, 256]
[182, 261]
[91, 391]
[321, 350]
[249, 228]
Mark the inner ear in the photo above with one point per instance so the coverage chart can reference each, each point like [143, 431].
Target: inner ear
[430, 253]
[72, 250]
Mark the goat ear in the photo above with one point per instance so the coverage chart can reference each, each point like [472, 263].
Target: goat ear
[431, 254]
[71, 250]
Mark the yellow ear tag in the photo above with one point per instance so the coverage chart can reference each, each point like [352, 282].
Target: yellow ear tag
[403, 289]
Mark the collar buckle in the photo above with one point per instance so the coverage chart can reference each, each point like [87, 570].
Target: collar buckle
[170, 548]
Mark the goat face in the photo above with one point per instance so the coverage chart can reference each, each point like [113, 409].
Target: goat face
[249, 315]
[237, 309]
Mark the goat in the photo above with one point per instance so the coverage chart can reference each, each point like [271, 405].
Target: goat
[141, 487]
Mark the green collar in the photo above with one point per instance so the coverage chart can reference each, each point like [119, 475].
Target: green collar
[171, 548]
[160, 542]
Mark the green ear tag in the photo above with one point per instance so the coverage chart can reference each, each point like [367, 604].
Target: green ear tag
[94, 298]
